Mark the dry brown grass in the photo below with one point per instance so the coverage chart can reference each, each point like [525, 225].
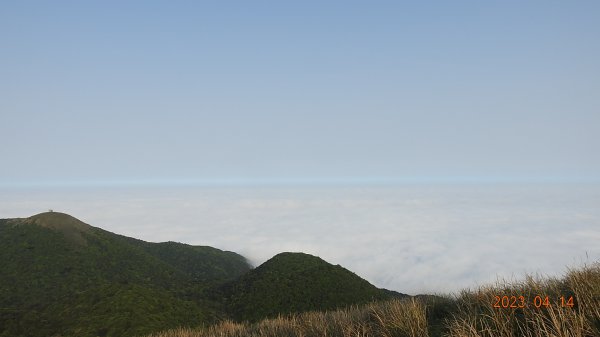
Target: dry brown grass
[476, 316]
[407, 318]
[468, 314]
[389, 319]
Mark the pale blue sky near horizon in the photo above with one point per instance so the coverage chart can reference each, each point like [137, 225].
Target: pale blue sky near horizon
[311, 91]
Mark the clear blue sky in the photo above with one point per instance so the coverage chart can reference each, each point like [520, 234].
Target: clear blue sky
[149, 91]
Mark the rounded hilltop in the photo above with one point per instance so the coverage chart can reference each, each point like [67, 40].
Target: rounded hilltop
[72, 228]
[58, 221]
[292, 282]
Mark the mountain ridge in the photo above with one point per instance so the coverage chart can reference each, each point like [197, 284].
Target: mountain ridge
[65, 277]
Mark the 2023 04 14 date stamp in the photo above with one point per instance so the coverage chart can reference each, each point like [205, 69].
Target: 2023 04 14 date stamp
[538, 301]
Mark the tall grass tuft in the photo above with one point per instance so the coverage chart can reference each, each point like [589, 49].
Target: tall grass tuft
[400, 318]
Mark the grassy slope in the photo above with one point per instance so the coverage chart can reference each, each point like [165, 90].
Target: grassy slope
[61, 275]
[296, 282]
[468, 314]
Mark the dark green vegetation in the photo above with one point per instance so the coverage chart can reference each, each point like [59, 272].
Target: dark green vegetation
[62, 277]
[468, 314]
[296, 282]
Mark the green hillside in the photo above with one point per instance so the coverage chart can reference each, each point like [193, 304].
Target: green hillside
[60, 275]
[201, 263]
[296, 282]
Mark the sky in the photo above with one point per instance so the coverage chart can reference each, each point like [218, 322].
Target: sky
[179, 92]
[427, 145]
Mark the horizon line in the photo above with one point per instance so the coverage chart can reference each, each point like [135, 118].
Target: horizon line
[273, 182]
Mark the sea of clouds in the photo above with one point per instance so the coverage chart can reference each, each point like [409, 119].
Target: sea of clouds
[410, 238]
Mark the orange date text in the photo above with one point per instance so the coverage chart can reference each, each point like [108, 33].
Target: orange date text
[538, 301]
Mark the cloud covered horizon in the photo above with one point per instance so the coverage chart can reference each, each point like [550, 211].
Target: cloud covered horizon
[409, 238]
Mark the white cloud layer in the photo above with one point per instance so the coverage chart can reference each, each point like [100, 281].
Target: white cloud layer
[412, 238]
